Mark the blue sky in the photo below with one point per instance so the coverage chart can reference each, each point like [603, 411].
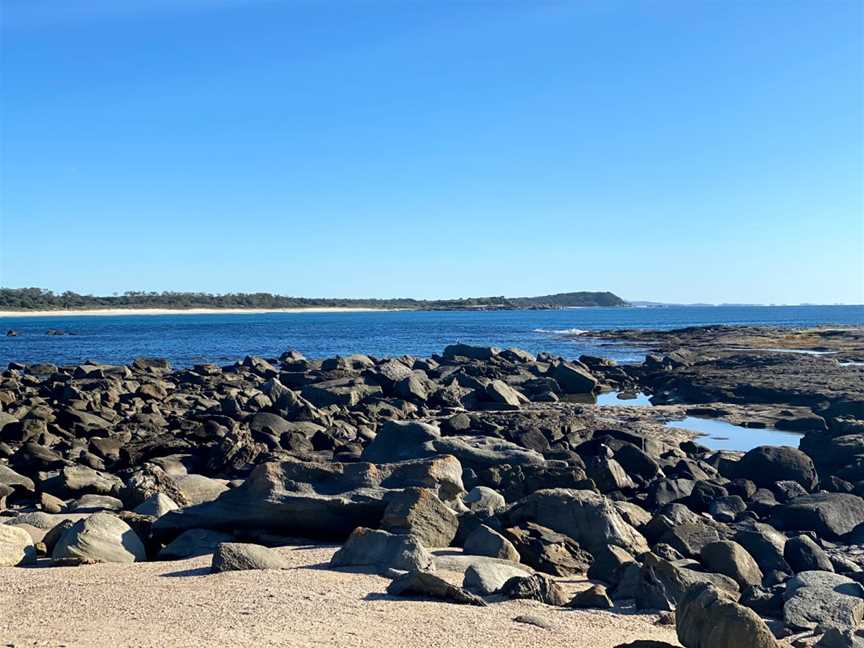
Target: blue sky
[664, 150]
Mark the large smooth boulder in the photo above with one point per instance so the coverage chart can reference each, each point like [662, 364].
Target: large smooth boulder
[324, 500]
[419, 512]
[803, 554]
[830, 515]
[241, 556]
[731, 559]
[766, 465]
[381, 551]
[16, 546]
[817, 598]
[587, 517]
[708, 618]
[99, 538]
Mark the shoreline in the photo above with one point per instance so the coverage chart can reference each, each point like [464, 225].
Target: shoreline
[189, 311]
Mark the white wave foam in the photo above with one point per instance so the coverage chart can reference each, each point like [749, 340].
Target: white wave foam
[569, 331]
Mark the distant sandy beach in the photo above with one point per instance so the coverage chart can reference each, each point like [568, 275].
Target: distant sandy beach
[187, 311]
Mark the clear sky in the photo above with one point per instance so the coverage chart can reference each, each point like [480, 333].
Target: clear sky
[664, 150]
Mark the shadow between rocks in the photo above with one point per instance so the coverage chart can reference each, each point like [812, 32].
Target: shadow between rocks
[194, 571]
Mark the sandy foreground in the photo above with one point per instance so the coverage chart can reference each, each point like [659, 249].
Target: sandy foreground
[173, 604]
[187, 311]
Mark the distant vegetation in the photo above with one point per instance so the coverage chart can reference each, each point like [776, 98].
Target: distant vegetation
[30, 299]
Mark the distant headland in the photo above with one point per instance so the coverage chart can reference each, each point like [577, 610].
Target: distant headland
[37, 300]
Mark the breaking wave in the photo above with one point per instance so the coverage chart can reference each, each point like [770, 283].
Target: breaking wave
[569, 331]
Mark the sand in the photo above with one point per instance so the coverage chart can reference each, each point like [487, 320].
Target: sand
[187, 311]
[174, 604]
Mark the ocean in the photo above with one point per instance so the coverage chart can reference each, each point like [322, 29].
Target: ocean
[223, 338]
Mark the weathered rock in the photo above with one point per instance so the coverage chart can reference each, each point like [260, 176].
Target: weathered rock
[482, 499]
[802, 554]
[419, 512]
[609, 564]
[454, 351]
[484, 541]
[401, 440]
[573, 378]
[326, 500]
[198, 489]
[156, 505]
[831, 515]
[420, 583]
[817, 598]
[78, 480]
[765, 544]
[689, 538]
[663, 583]
[593, 597]
[537, 587]
[731, 559]
[382, 551]
[708, 618]
[93, 503]
[16, 546]
[99, 538]
[587, 517]
[766, 465]
[548, 551]
[240, 556]
[488, 577]
[503, 394]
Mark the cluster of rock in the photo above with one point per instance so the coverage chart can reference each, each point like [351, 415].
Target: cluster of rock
[399, 457]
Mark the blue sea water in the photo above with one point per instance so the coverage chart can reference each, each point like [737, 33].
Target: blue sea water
[224, 338]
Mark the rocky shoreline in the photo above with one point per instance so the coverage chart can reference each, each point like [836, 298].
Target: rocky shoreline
[475, 462]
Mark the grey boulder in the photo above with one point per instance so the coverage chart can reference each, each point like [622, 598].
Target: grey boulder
[381, 552]
[708, 618]
[241, 556]
[99, 538]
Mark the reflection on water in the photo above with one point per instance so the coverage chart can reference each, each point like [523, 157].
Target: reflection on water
[623, 399]
[720, 435]
[610, 399]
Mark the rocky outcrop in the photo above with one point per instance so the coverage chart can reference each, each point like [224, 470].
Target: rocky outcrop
[321, 500]
[585, 516]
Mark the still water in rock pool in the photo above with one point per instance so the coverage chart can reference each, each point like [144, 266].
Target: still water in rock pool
[716, 434]
[720, 435]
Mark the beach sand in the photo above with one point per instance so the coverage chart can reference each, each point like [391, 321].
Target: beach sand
[188, 311]
[179, 604]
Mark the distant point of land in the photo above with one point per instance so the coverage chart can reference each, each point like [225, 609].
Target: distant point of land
[25, 300]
